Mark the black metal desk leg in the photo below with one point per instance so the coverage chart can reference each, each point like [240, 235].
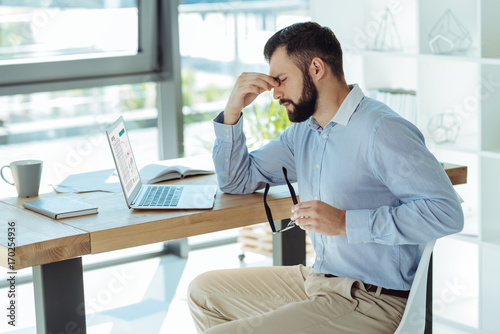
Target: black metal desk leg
[59, 298]
[289, 247]
[179, 247]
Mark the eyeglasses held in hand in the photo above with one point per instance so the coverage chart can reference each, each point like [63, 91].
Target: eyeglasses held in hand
[291, 224]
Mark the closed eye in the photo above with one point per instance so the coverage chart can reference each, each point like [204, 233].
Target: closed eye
[280, 81]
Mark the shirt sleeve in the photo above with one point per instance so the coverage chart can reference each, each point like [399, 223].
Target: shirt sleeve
[429, 206]
[241, 172]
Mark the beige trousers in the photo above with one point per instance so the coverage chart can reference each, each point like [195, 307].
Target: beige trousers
[289, 299]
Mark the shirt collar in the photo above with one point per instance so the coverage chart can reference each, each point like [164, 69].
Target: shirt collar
[349, 105]
[345, 111]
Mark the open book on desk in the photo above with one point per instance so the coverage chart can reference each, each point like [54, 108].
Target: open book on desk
[154, 173]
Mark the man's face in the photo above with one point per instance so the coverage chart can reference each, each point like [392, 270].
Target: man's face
[297, 96]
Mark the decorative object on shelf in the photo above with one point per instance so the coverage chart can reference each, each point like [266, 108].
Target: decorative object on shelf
[387, 38]
[444, 128]
[449, 35]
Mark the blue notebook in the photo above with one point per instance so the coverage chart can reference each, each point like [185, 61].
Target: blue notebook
[60, 207]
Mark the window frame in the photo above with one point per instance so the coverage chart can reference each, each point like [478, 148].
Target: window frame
[158, 60]
[51, 75]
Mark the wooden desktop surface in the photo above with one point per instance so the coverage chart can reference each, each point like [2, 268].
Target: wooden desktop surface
[41, 240]
[38, 239]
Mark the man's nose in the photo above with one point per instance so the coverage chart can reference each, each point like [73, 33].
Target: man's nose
[277, 93]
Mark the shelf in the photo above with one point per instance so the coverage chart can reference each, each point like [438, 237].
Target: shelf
[463, 311]
[468, 58]
[450, 57]
[448, 108]
[494, 154]
[490, 194]
[490, 321]
[473, 239]
[443, 325]
[464, 144]
[457, 88]
[492, 243]
[489, 97]
[388, 54]
[490, 29]
[456, 281]
[470, 192]
[491, 60]
[360, 31]
[389, 71]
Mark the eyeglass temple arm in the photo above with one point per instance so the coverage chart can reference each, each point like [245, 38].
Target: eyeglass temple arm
[268, 210]
[292, 191]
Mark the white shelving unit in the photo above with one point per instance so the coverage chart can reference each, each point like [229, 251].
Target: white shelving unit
[461, 87]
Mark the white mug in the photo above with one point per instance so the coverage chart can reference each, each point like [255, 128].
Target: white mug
[26, 175]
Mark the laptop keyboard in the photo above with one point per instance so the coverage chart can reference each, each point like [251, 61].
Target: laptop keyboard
[162, 196]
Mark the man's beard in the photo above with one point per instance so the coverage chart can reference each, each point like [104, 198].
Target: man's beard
[307, 102]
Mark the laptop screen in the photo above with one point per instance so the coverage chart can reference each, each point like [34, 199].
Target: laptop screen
[124, 158]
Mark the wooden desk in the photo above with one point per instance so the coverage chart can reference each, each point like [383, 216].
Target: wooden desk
[54, 247]
[117, 227]
[456, 173]
[39, 239]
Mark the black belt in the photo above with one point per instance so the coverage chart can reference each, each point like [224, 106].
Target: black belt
[390, 292]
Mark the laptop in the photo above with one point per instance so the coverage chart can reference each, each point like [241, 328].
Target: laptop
[150, 196]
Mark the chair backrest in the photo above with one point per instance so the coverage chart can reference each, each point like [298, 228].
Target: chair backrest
[414, 317]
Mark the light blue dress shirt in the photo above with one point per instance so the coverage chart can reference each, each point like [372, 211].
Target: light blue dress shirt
[368, 161]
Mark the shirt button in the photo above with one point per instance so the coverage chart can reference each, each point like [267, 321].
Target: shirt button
[325, 136]
[227, 130]
[318, 258]
[227, 160]
[317, 166]
[316, 198]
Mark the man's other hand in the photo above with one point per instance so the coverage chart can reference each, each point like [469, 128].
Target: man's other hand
[317, 216]
[246, 89]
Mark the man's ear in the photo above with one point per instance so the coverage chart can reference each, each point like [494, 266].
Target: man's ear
[317, 69]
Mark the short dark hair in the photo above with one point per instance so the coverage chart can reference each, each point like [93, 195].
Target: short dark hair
[303, 42]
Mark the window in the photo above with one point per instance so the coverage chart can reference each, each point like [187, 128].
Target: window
[43, 41]
[68, 68]
[65, 129]
[218, 41]
[35, 34]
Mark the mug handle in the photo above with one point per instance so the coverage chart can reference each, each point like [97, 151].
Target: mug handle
[1, 174]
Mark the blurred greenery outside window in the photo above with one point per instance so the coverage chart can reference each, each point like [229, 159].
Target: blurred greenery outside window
[219, 40]
[210, 67]
[66, 127]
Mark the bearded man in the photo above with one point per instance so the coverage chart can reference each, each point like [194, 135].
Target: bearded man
[370, 192]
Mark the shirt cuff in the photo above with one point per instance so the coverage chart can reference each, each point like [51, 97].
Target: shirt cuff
[225, 132]
[358, 226]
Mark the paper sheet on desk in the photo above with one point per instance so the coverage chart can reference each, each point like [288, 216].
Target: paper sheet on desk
[103, 180]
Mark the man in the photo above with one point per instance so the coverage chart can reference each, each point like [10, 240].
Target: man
[370, 193]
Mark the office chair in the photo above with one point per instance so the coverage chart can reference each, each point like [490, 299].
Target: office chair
[417, 317]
